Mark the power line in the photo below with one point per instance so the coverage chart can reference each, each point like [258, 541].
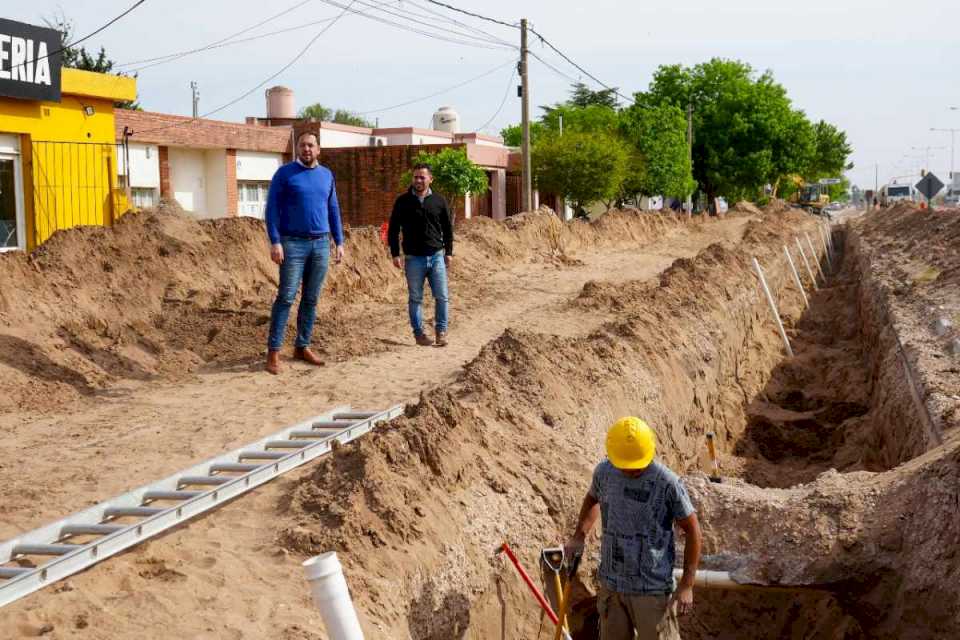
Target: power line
[476, 42]
[423, 20]
[442, 91]
[553, 68]
[475, 15]
[581, 69]
[542, 39]
[218, 42]
[93, 33]
[502, 102]
[447, 18]
[265, 81]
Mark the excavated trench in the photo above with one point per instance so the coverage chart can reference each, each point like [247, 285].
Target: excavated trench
[505, 452]
[842, 402]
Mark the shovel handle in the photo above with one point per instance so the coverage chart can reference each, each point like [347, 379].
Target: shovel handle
[712, 448]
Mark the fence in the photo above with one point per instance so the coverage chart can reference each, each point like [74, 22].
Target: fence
[75, 183]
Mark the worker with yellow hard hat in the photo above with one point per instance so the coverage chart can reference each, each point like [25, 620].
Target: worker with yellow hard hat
[639, 500]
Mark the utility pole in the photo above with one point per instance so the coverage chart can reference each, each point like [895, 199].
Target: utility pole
[690, 153]
[527, 191]
[195, 89]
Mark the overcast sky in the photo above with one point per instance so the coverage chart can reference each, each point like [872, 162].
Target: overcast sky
[884, 71]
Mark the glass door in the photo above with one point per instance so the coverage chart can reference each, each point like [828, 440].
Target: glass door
[11, 204]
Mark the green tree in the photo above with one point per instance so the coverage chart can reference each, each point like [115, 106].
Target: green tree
[454, 174]
[340, 116]
[80, 58]
[582, 167]
[830, 154]
[582, 96]
[512, 135]
[746, 132]
[660, 161]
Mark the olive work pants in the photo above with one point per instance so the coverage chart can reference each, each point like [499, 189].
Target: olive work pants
[651, 617]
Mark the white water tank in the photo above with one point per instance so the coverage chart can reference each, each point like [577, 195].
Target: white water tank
[446, 119]
[280, 103]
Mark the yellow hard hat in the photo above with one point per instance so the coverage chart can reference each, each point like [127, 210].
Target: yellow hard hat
[631, 443]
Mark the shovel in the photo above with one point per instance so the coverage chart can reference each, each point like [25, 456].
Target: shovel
[564, 604]
[553, 558]
[712, 448]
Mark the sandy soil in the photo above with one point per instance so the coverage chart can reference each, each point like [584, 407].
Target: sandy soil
[130, 424]
[558, 329]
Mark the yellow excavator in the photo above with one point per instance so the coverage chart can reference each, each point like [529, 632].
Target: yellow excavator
[812, 196]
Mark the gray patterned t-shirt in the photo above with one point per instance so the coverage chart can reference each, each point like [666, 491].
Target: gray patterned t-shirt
[637, 548]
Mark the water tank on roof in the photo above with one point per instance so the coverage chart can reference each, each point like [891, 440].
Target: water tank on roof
[446, 119]
[280, 103]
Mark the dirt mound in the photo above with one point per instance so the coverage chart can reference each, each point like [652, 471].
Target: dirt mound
[162, 295]
[746, 207]
[505, 452]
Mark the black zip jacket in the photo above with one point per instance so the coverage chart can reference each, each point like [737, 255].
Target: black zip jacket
[426, 227]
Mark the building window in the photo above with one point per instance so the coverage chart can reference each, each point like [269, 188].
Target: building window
[252, 197]
[143, 198]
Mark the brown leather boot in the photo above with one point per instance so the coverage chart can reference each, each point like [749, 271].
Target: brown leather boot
[273, 362]
[304, 353]
[423, 340]
[441, 339]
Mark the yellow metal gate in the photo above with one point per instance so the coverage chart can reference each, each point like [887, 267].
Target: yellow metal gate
[74, 183]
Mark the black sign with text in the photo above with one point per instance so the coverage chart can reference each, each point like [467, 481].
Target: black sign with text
[30, 61]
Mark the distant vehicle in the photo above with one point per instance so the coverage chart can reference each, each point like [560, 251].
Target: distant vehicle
[831, 209]
[893, 193]
[813, 197]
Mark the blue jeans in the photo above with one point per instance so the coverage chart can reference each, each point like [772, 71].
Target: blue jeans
[304, 260]
[433, 269]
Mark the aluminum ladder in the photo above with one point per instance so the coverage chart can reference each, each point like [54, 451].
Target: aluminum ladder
[85, 538]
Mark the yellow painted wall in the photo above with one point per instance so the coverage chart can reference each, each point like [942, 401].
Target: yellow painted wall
[69, 158]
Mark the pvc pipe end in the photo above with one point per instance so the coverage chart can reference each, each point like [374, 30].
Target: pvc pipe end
[322, 565]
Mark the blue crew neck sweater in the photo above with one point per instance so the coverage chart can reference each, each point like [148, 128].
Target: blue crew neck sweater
[303, 202]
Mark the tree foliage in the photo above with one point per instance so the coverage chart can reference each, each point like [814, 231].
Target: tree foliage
[80, 58]
[660, 162]
[582, 167]
[584, 96]
[454, 174]
[746, 131]
[340, 116]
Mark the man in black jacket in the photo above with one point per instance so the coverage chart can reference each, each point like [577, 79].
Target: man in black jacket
[423, 219]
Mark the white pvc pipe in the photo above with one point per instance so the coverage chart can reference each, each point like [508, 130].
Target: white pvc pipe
[773, 307]
[707, 579]
[796, 276]
[814, 256]
[826, 248]
[332, 597]
[806, 264]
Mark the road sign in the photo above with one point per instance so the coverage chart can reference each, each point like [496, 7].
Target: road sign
[830, 180]
[929, 186]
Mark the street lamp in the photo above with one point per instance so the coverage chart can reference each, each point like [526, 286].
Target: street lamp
[953, 141]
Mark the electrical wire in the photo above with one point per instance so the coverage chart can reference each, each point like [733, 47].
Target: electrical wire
[553, 68]
[441, 92]
[91, 34]
[451, 20]
[475, 43]
[265, 81]
[214, 44]
[474, 15]
[581, 69]
[420, 19]
[542, 39]
[502, 102]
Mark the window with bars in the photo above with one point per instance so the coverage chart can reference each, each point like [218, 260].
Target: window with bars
[252, 196]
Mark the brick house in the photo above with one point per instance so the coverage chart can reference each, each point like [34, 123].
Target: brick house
[216, 169]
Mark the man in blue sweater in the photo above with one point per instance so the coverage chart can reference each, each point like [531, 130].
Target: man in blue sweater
[302, 214]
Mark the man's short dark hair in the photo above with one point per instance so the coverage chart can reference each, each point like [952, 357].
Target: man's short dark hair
[308, 133]
[423, 165]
